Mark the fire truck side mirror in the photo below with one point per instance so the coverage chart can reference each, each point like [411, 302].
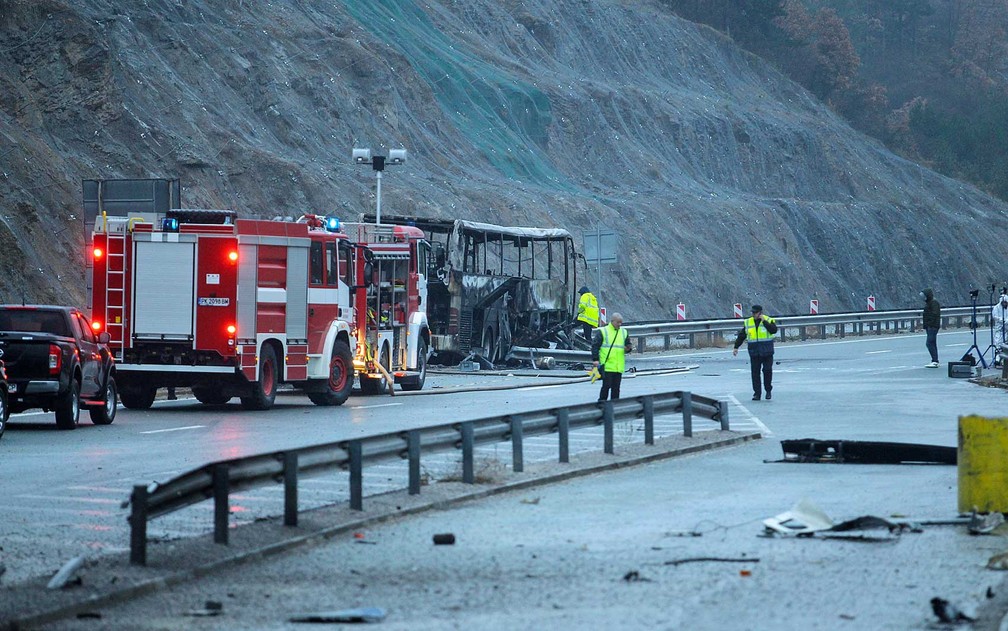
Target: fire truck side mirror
[368, 274]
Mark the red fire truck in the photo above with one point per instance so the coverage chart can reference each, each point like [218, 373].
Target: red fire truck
[235, 307]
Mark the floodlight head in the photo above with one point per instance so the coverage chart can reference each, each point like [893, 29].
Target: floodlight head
[396, 156]
[361, 156]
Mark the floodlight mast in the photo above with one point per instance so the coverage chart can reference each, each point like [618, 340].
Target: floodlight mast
[378, 162]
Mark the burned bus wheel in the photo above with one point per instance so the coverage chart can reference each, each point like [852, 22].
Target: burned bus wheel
[489, 346]
[265, 388]
[340, 380]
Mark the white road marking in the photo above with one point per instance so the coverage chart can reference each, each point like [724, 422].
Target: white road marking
[751, 417]
[174, 429]
[70, 498]
[368, 407]
[555, 385]
[877, 352]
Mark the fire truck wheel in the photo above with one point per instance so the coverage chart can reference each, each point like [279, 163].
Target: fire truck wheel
[421, 368]
[68, 407]
[265, 388]
[376, 385]
[106, 413]
[340, 382]
[210, 396]
[137, 397]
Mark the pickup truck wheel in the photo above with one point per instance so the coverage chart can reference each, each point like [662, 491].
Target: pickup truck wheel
[4, 411]
[106, 413]
[341, 374]
[421, 368]
[210, 396]
[265, 388]
[138, 397]
[68, 407]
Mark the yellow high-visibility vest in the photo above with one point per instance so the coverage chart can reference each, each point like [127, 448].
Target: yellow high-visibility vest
[612, 355]
[588, 310]
[755, 333]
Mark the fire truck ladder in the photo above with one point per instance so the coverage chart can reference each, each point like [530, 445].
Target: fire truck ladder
[115, 282]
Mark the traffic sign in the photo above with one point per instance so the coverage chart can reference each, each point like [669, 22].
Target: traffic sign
[738, 309]
[871, 303]
[680, 311]
[813, 307]
[602, 315]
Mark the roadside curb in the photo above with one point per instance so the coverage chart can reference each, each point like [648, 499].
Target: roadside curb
[388, 507]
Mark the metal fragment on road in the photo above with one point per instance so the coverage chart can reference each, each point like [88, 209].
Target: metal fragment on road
[360, 614]
[65, 573]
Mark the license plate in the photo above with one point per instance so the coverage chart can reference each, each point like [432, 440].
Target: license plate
[213, 302]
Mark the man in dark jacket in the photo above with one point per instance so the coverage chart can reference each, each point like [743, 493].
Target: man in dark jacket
[758, 334]
[932, 322]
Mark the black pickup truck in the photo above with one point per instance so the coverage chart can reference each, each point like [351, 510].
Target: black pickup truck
[54, 361]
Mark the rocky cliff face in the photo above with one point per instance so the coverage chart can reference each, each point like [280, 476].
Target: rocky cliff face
[725, 182]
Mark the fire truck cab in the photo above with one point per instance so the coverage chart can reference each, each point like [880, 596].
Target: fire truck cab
[234, 307]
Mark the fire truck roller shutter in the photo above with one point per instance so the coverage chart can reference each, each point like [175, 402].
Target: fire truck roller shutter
[297, 291]
[247, 280]
[163, 289]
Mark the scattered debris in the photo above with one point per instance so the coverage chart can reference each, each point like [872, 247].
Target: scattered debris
[66, 573]
[947, 612]
[805, 520]
[990, 592]
[865, 452]
[684, 533]
[210, 608]
[359, 614]
[445, 539]
[707, 559]
[985, 524]
[745, 573]
[534, 500]
[89, 615]
[998, 562]
[633, 576]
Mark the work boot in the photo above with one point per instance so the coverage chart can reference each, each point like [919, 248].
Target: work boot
[755, 397]
[768, 395]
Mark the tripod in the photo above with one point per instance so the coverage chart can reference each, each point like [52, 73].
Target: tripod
[973, 325]
[993, 347]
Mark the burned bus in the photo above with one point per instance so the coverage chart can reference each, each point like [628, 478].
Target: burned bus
[499, 287]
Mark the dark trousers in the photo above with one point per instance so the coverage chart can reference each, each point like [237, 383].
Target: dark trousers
[610, 383]
[764, 364]
[932, 343]
[586, 330]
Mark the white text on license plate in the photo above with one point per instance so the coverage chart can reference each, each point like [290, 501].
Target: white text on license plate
[213, 302]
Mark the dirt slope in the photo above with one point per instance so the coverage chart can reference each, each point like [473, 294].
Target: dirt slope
[726, 182]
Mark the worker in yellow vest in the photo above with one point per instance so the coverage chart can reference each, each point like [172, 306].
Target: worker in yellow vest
[588, 313]
[609, 347]
[758, 334]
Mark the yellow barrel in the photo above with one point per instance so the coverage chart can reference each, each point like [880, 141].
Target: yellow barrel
[982, 459]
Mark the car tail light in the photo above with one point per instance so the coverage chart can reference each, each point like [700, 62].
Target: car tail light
[55, 359]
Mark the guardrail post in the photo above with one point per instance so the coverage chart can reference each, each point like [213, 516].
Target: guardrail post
[607, 420]
[290, 478]
[668, 342]
[221, 507]
[648, 420]
[687, 414]
[563, 432]
[692, 340]
[468, 443]
[723, 415]
[413, 453]
[138, 525]
[517, 462]
[822, 331]
[356, 475]
[804, 333]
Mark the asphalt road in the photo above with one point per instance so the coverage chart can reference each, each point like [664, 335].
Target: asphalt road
[556, 556]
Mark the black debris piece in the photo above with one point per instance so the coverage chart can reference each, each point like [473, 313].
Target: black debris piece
[947, 612]
[712, 559]
[865, 452]
[444, 539]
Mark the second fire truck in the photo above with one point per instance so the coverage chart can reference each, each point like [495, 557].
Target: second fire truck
[233, 307]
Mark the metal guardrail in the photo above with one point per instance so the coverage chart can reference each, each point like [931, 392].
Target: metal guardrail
[218, 479]
[841, 323]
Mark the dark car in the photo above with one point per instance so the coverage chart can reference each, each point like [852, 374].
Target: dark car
[4, 408]
[55, 361]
